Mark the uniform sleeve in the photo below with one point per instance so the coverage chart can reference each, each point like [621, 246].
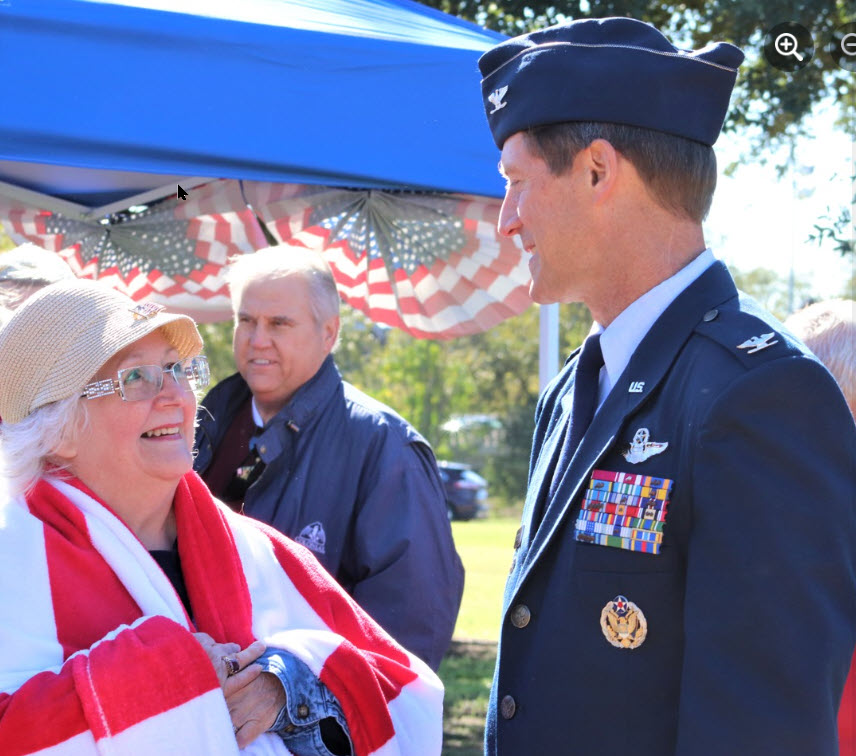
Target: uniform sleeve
[770, 607]
[125, 683]
[408, 576]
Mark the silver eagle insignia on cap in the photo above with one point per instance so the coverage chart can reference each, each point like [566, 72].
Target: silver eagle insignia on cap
[495, 98]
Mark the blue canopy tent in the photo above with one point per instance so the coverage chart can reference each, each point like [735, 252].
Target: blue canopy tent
[106, 100]
[112, 104]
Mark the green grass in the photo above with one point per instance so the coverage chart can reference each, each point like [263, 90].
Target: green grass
[466, 672]
[486, 549]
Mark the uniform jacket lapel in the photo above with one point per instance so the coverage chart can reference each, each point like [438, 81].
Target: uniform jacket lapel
[649, 365]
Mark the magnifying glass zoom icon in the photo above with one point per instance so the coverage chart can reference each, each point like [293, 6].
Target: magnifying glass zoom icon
[786, 44]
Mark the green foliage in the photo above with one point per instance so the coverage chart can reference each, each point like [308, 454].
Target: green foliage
[5, 242]
[849, 290]
[840, 230]
[493, 373]
[771, 290]
[217, 338]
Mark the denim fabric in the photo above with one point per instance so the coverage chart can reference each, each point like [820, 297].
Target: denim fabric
[302, 735]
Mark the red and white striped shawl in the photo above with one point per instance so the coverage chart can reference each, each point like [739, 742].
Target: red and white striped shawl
[96, 651]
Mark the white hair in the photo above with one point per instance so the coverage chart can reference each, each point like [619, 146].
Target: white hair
[829, 330]
[29, 446]
[282, 261]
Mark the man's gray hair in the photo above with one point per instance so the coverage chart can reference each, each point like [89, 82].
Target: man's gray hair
[29, 446]
[829, 330]
[282, 261]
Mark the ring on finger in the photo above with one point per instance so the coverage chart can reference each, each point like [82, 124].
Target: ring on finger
[232, 666]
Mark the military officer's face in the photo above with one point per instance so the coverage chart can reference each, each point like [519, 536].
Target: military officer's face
[548, 212]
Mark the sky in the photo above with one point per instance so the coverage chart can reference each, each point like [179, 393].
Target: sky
[759, 220]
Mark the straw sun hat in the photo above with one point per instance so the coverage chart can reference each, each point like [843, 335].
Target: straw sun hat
[59, 338]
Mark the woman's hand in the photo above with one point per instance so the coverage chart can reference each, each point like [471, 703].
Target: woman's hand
[219, 653]
[255, 706]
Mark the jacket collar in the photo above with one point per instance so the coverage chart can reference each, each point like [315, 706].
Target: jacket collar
[310, 396]
[297, 414]
[647, 367]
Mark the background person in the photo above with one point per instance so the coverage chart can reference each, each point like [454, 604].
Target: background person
[683, 581]
[146, 604]
[322, 462]
[327, 465]
[829, 329]
[24, 270]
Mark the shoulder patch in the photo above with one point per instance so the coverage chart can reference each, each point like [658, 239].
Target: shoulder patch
[750, 333]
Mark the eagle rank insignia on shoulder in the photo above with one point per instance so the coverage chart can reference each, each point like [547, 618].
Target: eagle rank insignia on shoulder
[623, 623]
[641, 448]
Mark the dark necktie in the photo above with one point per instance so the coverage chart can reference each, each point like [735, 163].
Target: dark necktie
[585, 403]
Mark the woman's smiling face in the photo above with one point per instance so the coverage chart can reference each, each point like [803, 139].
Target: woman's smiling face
[150, 441]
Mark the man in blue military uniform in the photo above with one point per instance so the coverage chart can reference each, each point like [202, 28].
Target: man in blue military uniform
[683, 580]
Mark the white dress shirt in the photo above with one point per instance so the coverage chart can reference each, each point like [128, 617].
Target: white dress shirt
[621, 338]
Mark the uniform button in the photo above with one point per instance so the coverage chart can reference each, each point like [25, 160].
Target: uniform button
[518, 538]
[710, 315]
[520, 615]
[302, 711]
[262, 450]
[507, 707]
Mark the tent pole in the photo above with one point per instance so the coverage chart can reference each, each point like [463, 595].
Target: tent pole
[548, 354]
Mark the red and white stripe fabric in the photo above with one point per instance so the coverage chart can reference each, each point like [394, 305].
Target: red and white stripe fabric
[436, 267]
[98, 655]
[478, 279]
[214, 224]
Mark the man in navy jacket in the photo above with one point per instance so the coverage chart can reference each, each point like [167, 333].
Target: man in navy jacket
[299, 448]
[683, 580]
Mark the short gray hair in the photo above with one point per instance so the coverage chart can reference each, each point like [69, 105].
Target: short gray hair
[30, 445]
[679, 173]
[829, 330]
[281, 261]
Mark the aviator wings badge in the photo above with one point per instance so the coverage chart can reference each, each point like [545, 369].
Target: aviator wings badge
[641, 448]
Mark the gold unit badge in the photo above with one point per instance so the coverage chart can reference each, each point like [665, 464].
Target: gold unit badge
[623, 623]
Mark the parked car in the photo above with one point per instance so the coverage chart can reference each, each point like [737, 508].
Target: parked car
[466, 491]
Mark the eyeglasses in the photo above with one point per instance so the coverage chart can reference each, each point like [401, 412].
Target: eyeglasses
[146, 381]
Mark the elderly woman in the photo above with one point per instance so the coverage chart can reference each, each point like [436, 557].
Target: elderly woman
[139, 615]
